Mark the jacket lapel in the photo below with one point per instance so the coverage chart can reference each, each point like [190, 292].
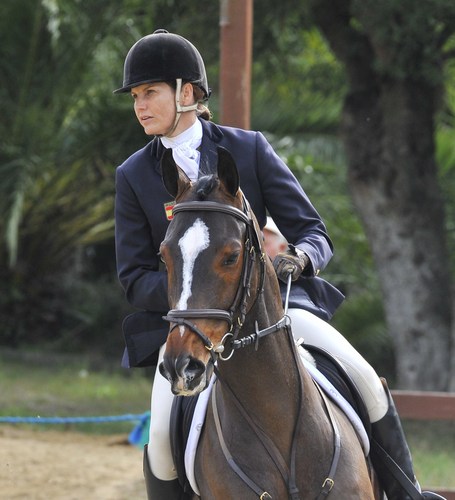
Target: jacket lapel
[210, 140]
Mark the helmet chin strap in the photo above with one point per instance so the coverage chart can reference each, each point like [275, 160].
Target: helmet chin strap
[179, 108]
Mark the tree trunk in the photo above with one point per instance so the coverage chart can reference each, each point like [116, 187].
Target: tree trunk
[393, 180]
[388, 131]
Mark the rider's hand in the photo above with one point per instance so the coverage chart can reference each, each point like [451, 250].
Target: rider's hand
[293, 262]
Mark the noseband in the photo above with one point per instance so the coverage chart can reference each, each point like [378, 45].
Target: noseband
[235, 315]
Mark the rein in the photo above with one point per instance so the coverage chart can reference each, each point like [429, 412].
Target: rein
[287, 473]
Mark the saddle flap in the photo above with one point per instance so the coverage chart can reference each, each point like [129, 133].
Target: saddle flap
[335, 372]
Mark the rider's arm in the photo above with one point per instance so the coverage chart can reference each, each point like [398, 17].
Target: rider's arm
[137, 259]
[291, 209]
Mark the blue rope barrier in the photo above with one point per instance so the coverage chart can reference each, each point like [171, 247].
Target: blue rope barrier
[73, 420]
[137, 437]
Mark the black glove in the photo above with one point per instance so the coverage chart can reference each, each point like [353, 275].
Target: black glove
[293, 262]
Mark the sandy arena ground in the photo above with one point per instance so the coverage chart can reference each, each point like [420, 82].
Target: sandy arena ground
[52, 465]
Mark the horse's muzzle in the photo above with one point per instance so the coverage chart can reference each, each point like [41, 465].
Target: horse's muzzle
[187, 375]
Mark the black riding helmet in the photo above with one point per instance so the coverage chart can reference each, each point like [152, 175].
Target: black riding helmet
[163, 57]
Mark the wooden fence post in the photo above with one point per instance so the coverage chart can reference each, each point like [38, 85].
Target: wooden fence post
[236, 27]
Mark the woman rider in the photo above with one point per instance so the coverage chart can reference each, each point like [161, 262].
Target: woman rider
[165, 75]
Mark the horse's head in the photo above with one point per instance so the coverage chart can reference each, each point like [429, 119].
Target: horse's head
[207, 252]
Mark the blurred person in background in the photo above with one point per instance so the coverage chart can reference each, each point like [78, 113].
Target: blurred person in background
[274, 241]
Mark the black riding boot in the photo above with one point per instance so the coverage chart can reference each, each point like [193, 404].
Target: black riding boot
[158, 489]
[389, 434]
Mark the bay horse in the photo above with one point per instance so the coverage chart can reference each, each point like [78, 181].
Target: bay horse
[269, 432]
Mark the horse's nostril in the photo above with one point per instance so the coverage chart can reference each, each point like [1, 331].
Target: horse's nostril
[163, 370]
[194, 369]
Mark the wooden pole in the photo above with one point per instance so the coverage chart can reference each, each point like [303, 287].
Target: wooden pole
[236, 47]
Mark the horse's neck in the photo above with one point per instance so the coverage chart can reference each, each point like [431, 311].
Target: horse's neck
[270, 388]
[270, 378]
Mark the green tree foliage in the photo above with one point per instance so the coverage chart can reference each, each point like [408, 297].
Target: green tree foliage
[56, 190]
[298, 85]
[62, 132]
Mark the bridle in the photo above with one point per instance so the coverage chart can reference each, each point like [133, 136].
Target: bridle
[235, 315]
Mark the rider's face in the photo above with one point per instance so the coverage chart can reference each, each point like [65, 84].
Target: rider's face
[154, 105]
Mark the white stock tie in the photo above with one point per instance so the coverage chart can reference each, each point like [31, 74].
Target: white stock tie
[184, 149]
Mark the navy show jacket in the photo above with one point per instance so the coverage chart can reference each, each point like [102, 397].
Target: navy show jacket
[141, 223]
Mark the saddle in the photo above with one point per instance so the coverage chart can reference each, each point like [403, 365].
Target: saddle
[335, 372]
[183, 409]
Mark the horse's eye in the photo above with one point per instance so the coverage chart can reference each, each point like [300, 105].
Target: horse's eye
[231, 259]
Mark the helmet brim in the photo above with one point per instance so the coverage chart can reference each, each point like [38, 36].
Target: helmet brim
[127, 88]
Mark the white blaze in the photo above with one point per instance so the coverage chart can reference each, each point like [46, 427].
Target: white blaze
[192, 243]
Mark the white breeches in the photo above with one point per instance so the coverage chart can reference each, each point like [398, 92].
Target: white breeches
[159, 447]
[317, 332]
[304, 325]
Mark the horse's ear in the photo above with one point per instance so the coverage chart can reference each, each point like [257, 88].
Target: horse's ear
[174, 178]
[227, 171]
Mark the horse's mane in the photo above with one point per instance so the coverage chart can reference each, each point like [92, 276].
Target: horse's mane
[205, 185]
